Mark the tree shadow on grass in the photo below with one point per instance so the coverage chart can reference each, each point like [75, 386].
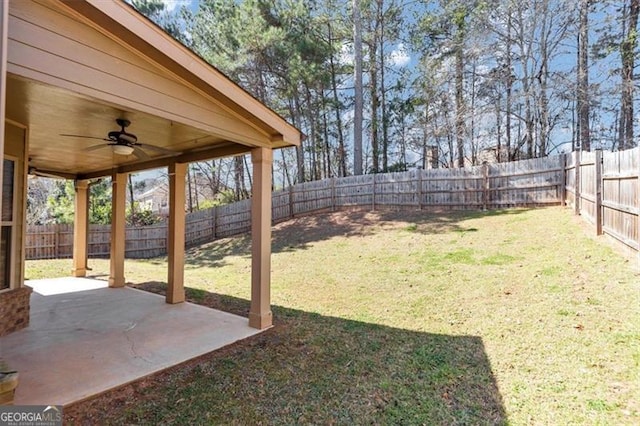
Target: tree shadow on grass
[316, 369]
[299, 233]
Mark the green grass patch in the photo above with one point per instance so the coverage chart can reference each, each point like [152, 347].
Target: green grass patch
[599, 405]
[464, 256]
[411, 228]
[498, 259]
[551, 271]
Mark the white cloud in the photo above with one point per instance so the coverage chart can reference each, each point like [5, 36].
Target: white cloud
[346, 54]
[399, 56]
[171, 5]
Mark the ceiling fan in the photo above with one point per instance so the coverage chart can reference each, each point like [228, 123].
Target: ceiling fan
[124, 143]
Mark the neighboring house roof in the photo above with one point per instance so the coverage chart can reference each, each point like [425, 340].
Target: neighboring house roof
[155, 191]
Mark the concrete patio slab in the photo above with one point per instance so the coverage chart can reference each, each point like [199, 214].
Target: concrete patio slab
[85, 338]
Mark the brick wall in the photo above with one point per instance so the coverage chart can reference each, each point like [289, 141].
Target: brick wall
[14, 310]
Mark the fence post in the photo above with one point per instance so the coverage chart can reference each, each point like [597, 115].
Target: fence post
[576, 203]
[333, 194]
[291, 214]
[373, 196]
[638, 206]
[598, 192]
[485, 185]
[563, 179]
[214, 217]
[56, 242]
[419, 189]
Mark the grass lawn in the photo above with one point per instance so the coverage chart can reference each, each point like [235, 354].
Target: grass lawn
[514, 316]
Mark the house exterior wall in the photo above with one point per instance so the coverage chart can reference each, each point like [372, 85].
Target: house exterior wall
[14, 301]
[156, 200]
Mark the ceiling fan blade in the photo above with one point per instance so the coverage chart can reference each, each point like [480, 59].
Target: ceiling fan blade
[95, 147]
[86, 137]
[140, 153]
[158, 149]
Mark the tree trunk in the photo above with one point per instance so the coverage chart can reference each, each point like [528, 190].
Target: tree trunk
[509, 89]
[358, 101]
[189, 188]
[459, 95]
[342, 153]
[544, 115]
[583, 77]
[131, 200]
[498, 127]
[627, 49]
[383, 99]
[238, 177]
[472, 130]
[299, 149]
[313, 135]
[325, 136]
[247, 170]
[373, 81]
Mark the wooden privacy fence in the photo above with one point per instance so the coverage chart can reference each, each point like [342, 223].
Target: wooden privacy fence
[524, 183]
[604, 188]
[527, 183]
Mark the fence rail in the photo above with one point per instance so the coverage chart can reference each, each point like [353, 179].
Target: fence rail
[602, 187]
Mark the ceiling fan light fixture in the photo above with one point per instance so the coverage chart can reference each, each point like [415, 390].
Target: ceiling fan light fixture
[122, 149]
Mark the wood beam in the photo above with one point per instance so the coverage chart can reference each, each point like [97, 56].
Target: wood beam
[175, 282]
[226, 150]
[118, 200]
[260, 316]
[52, 174]
[81, 229]
[211, 153]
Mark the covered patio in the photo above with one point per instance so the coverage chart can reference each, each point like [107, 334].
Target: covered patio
[92, 89]
[85, 338]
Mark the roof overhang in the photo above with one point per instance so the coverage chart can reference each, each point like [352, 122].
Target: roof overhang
[76, 66]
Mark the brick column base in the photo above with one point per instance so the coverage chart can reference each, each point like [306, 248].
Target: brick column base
[14, 309]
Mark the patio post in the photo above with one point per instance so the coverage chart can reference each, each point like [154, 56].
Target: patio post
[81, 229]
[118, 206]
[175, 281]
[260, 316]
